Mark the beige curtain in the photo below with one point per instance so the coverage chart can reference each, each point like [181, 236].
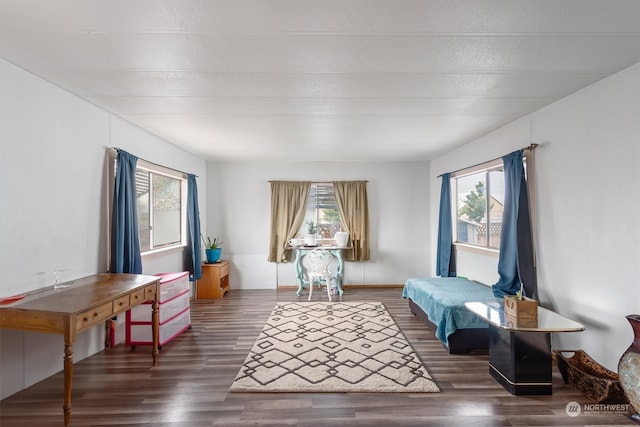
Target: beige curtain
[288, 205]
[353, 204]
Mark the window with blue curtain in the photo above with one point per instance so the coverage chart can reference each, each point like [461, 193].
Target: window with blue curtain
[516, 262]
[193, 252]
[134, 188]
[445, 258]
[125, 241]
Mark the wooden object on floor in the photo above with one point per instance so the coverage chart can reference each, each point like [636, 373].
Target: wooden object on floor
[78, 305]
[214, 282]
[594, 380]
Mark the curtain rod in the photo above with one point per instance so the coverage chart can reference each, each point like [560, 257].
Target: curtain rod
[529, 147]
[318, 182]
[153, 163]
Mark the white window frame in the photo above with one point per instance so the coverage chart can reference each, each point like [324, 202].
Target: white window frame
[316, 219]
[483, 167]
[162, 171]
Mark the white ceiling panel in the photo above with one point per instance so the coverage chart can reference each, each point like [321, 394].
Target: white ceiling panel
[177, 106]
[306, 80]
[107, 84]
[322, 54]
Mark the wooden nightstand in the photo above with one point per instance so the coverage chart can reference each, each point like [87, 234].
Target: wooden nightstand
[214, 282]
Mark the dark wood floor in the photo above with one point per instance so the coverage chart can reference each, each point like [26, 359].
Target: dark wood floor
[190, 385]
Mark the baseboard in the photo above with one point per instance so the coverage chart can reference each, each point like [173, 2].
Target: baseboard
[382, 286]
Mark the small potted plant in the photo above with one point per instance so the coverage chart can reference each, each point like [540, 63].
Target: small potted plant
[520, 307]
[310, 237]
[213, 249]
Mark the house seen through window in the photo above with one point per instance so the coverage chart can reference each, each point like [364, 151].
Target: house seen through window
[479, 206]
[322, 209]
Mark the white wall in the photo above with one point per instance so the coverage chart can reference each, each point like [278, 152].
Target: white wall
[588, 208]
[239, 212]
[53, 209]
[53, 206]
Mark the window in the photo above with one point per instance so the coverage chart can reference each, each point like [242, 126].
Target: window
[161, 208]
[322, 209]
[479, 206]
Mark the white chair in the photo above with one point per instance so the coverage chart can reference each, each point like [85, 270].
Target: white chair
[319, 260]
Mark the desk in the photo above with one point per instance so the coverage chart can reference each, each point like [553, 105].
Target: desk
[77, 306]
[301, 251]
[520, 356]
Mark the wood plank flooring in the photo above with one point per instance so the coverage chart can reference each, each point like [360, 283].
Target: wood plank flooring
[189, 387]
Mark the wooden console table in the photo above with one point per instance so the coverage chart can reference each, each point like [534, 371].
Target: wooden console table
[78, 305]
[520, 355]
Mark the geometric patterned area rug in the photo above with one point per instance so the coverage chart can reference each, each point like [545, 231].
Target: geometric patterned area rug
[332, 347]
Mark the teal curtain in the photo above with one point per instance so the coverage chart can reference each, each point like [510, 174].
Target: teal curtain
[125, 241]
[193, 251]
[445, 258]
[516, 262]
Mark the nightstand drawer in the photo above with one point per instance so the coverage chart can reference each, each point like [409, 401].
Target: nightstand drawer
[224, 269]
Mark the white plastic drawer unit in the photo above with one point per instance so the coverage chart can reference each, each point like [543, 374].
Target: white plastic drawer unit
[172, 285]
[140, 334]
[174, 312]
[167, 309]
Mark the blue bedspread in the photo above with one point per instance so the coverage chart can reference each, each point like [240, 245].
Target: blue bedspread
[443, 298]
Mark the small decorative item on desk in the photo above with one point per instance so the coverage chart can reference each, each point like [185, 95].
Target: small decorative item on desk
[342, 238]
[310, 237]
[295, 242]
[212, 249]
[521, 311]
[629, 368]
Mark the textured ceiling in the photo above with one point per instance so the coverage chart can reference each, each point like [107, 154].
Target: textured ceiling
[320, 80]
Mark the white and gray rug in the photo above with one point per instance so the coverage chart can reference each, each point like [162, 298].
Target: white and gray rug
[332, 347]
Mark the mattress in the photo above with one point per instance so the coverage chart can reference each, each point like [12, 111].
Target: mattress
[443, 298]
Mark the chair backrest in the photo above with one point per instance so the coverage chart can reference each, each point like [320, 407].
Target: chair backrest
[319, 260]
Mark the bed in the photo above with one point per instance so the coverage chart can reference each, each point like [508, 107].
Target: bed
[439, 302]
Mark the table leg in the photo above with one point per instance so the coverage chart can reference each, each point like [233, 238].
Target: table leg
[68, 381]
[299, 275]
[155, 330]
[340, 271]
